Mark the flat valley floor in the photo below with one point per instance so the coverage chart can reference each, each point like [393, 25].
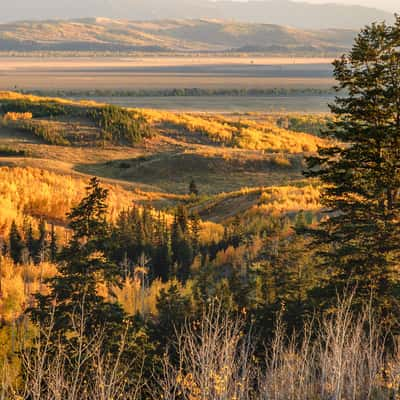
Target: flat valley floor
[162, 72]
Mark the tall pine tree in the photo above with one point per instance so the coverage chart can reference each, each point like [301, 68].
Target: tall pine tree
[360, 173]
[84, 264]
[16, 244]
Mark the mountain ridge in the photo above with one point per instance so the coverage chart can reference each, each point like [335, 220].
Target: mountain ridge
[297, 14]
[103, 34]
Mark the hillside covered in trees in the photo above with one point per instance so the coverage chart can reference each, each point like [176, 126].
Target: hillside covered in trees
[157, 255]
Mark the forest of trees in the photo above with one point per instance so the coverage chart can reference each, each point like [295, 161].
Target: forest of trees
[116, 124]
[119, 125]
[303, 308]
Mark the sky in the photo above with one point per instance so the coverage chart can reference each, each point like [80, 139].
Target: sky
[389, 5]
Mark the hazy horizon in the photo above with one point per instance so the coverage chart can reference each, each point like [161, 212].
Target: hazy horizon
[308, 14]
[387, 5]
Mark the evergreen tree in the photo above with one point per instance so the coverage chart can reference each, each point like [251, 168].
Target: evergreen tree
[173, 309]
[195, 229]
[16, 244]
[84, 265]
[359, 240]
[204, 287]
[148, 225]
[53, 244]
[42, 243]
[77, 313]
[193, 190]
[123, 237]
[161, 259]
[162, 262]
[139, 238]
[30, 241]
[182, 218]
[237, 232]
[182, 252]
[240, 286]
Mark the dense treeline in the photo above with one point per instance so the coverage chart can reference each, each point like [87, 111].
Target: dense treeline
[119, 125]
[182, 92]
[143, 245]
[37, 109]
[168, 246]
[30, 245]
[264, 278]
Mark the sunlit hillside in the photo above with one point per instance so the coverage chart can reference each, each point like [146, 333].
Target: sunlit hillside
[37, 193]
[246, 168]
[102, 34]
[156, 152]
[239, 132]
[49, 147]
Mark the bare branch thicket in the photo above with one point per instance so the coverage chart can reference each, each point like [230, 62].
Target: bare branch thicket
[340, 357]
[81, 371]
[351, 354]
[344, 360]
[214, 360]
[288, 372]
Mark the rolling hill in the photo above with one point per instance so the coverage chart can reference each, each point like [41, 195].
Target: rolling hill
[234, 159]
[101, 34]
[281, 12]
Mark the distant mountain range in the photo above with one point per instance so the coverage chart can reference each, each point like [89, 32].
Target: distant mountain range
[99, 34]
[280, 12]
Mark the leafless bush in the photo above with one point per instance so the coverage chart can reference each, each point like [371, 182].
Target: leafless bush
[214, 360]
[350, 354]
[6, 382]
[289, 367]
[80, 371]
[344, 360]
[340, 357]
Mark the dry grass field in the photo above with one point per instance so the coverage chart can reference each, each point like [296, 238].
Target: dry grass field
[35, 62]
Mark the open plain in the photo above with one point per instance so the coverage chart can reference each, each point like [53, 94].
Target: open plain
[35, 73]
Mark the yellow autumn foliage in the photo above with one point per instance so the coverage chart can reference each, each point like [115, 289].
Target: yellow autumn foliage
[266, 134]
[245, 133]
[15, 116]
[290, 198]
[38, 193]
[18, 283]
[236, 256]
[137, 297]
